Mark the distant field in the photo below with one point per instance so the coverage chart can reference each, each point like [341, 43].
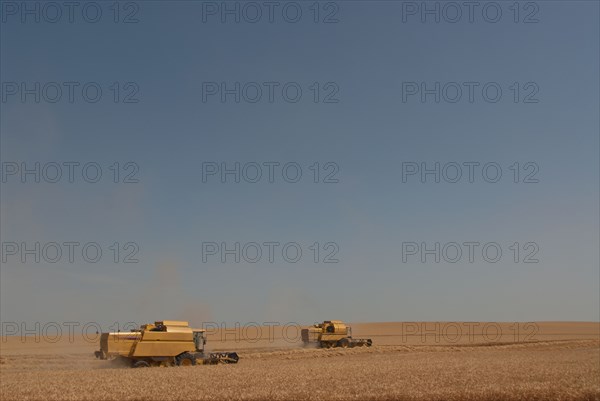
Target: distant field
[410, 361]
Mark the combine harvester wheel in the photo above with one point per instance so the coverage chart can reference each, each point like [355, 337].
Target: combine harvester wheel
[185, 359]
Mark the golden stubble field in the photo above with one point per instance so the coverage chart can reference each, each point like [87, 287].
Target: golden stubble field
[410, 361]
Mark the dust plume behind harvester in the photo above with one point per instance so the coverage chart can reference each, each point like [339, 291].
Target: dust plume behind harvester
[164, 343]
[333, 333]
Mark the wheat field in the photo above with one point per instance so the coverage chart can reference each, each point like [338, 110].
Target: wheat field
[560, 362]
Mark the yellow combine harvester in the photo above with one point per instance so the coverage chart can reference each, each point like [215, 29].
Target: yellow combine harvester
[164, 343]
[333, 333]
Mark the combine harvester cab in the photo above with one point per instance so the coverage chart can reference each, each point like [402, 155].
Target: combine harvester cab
[333, 333]
[164, 343]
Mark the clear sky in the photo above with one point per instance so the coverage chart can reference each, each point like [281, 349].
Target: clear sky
[372, 67]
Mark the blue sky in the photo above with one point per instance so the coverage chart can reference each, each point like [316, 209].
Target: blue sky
[170, 133]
